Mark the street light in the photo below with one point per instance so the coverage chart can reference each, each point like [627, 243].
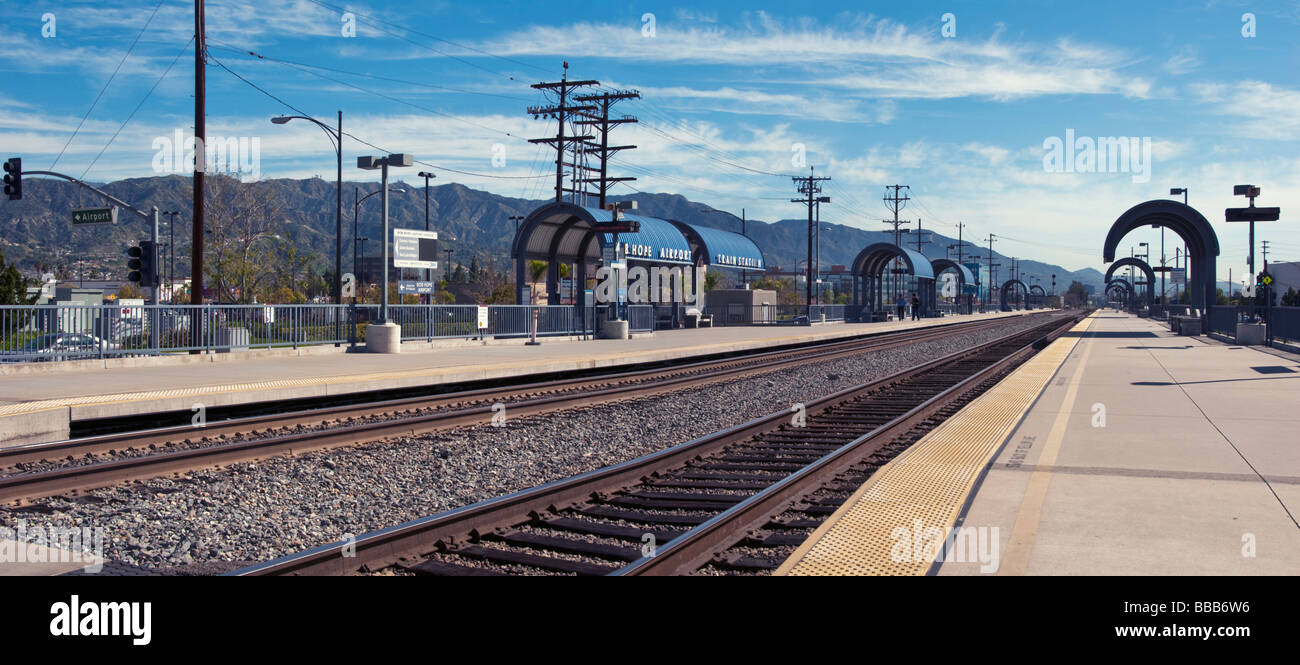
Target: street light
[428, 275]
[371, 163]
[356, 205]
[336, 136]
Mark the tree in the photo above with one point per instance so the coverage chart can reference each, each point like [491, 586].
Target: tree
[239, 219]
[13, 286]
[712, 279]
[128, 290]
[1076, 295]
[536, 270]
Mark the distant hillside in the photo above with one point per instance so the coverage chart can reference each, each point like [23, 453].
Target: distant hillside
[473, 222]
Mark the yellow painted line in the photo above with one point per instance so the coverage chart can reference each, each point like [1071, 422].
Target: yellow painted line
[922, 491]
[1016, 559]
[198, 391]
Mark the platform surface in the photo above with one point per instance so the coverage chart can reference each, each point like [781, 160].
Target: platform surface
[101, 392]
[1143, 453]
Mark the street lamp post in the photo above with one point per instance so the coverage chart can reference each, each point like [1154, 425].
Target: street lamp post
[371, 163]
[428, 274]
[336, 136]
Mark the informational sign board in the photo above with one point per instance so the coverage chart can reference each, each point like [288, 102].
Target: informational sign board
[415, 249]
[268, 314]
[89, 216]
[1179, 275]
[482, 317]
[414, 288]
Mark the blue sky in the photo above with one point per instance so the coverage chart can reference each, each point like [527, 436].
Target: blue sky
[875, 93]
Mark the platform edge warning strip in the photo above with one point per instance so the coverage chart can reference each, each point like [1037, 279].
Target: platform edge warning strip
[925, 487]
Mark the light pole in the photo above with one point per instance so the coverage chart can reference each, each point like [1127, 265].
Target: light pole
[336, 137]
[371, 163]
[171, 254]
[356, 205]
[428, 274]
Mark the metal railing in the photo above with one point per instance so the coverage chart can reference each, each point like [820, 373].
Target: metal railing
[38, 333]
[1224, 319]
[1284, 324]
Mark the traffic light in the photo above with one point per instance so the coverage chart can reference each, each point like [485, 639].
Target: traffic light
[135, 263]
[14, 178]
[149, 263]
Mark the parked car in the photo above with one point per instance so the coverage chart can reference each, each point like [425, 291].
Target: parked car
[61, 346]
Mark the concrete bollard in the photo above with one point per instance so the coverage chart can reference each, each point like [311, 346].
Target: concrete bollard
[384, 338]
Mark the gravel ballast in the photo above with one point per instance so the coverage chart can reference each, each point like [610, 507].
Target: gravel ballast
[259, 511]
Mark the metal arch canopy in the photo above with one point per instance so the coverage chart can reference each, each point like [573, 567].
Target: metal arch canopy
[1006, 286]
[871, 261]
[564, 233]
[963, 273]
[1188, 224]
[1041, 291]
[722, 249]
[1140, 265]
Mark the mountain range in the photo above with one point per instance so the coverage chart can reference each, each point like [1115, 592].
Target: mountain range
[474, 223]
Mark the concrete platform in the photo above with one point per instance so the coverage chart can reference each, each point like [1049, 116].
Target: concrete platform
[1144, 453]
[36, 406]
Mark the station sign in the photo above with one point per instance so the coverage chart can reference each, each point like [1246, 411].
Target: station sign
[415, 249]
[414, 288]
[91, 216]
[1252, 214]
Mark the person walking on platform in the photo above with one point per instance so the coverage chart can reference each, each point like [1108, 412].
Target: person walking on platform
[902, 307]
[916, 307]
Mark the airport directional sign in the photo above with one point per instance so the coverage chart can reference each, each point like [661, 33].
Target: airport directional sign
[88, 216]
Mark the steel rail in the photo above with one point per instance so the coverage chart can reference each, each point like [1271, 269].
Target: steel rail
[388, 546]
[24, 487]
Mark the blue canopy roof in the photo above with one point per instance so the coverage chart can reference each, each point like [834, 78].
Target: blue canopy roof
[872, 259]
[723, 249]
[658, 240]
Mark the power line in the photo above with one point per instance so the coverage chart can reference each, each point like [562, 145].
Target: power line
[260, 56]
[137, 108]
[107, 83]
[353, 136]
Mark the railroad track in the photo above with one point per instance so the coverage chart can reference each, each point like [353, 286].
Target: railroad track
[101, 461]
[714, 504]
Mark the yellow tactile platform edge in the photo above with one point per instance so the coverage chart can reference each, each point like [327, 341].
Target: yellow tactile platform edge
[927, 485]
[33, 406]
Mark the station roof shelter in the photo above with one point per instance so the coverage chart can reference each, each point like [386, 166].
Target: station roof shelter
[564, 233]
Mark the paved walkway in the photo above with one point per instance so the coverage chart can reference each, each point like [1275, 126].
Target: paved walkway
[1144, 454]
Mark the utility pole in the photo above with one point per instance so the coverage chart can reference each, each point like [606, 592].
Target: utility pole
[895, 203]
[993, 274]
[200, 162]
[561, 112]
[809, 188]
[603, 123]
[920, 239]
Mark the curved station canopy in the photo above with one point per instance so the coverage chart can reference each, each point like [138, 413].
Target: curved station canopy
[868, 271]
[1191, 226]
[564, 233]
[1142, 266]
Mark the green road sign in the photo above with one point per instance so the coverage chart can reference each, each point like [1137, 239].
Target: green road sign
[85, 216]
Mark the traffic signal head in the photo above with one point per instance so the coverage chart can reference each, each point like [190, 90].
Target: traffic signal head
[135, 264]
[14, 178]
[148, 263]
